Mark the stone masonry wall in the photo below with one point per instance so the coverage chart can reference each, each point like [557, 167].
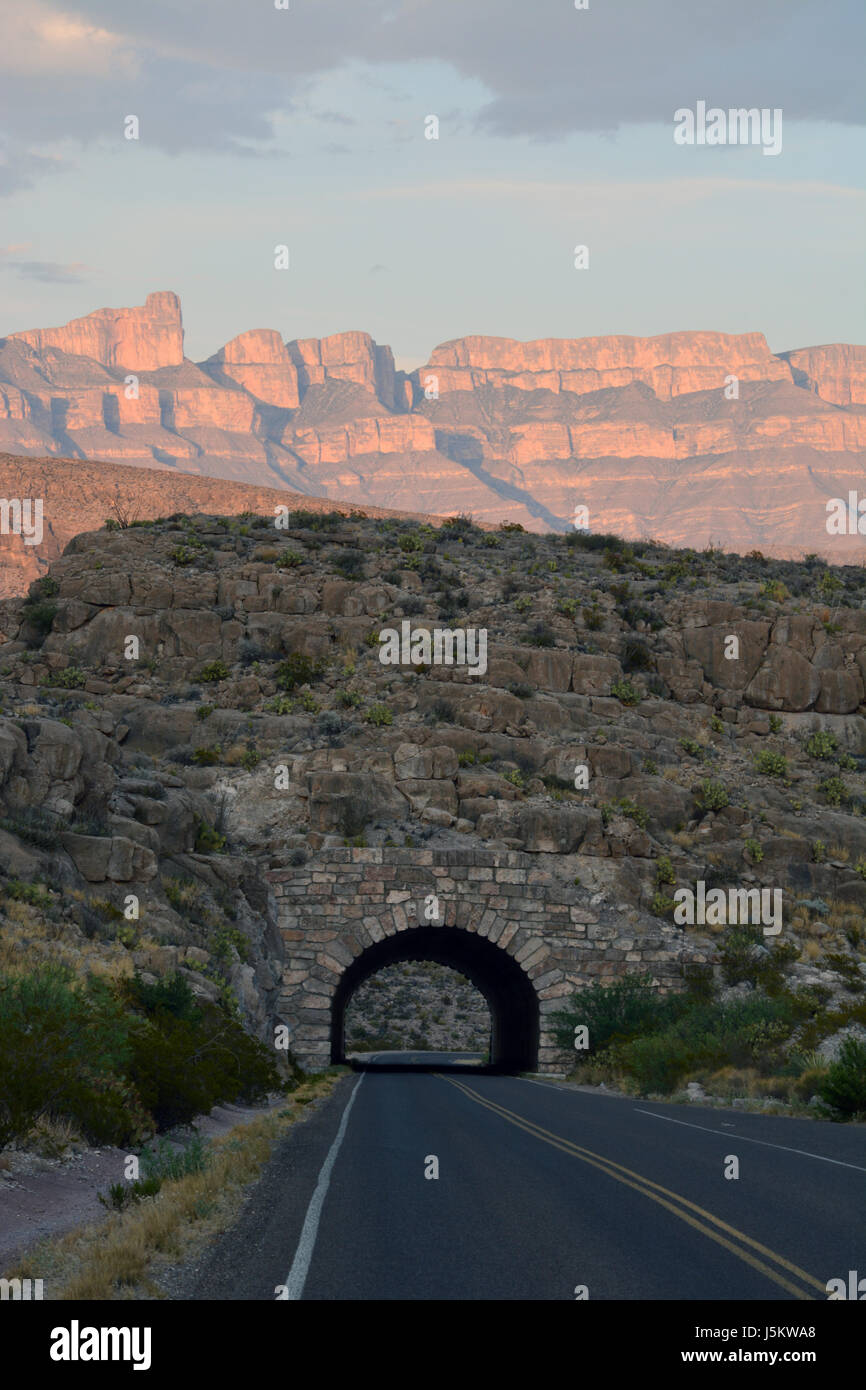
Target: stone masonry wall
[341, 902]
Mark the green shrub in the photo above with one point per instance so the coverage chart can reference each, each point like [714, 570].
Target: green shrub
[626, 692]
[593, 617]
[204, 712]
[379, 715]
[411, 541]
[170, 995]
[350, 564]
[624, 807]
[754, 849]
[712, 796]
[206, 757]
[125, 1194]
[162, 1162]
[692, 747]
[289, 559]
[34, 825]
[665, 870]
[208, 840]
[349, 699]
[833, 791]
[822, 744]
[771, 764]
[70, 678]
[39, 618]
[654, 1064]
[661, 905]
[185, 554]
[296, 670]
[33, 893]
[182, 1069]
[844, 1086]
[63, 1046]
[214, 671]
[630, 1005]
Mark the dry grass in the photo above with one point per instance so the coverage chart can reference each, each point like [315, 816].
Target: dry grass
[684, 838]
[840, 852]
[120, 1258]
[234, 756]
[28, 938]
[51, 1137]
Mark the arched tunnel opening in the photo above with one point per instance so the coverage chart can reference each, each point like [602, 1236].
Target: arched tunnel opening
[508, 991]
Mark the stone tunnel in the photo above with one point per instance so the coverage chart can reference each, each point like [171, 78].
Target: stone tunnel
[525, 939]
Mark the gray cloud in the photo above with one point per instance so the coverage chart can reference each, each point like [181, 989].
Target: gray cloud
[208, 76]
[52, 272]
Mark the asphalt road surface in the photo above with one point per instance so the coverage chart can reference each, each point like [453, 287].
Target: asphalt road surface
[542, 1191]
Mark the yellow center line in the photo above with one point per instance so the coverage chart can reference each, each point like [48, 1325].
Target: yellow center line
[643, 1185]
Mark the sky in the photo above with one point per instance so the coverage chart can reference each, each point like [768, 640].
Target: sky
[307, 126]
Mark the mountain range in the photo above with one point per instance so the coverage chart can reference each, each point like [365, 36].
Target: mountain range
[692, 438]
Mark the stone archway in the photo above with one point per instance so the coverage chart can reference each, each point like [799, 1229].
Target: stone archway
[535, 940]
[507, 988]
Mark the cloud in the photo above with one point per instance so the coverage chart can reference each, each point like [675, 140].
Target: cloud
[42, 40]
[335, 117]
[215, 75]
[51, 272]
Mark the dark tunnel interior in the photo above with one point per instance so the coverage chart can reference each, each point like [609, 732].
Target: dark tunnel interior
[512, 1001]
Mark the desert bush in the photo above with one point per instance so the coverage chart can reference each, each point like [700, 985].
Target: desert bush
[297, 669]
[654, 1064]
[214, 671]
[771, 764]
[712, 796]
[626, 692]
[64, 1046]
[843, 1088]
[630, 1005]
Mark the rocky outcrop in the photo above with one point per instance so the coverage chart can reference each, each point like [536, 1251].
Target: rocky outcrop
[836, 373]
[142, 339]
[346, 357]
[261, 364]
[647, 719]
[671, 364]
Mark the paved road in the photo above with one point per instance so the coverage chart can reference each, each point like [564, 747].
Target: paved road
[542, 1189]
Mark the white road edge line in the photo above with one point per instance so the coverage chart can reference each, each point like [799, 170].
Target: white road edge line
[297, 1276]
[746, 1140]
